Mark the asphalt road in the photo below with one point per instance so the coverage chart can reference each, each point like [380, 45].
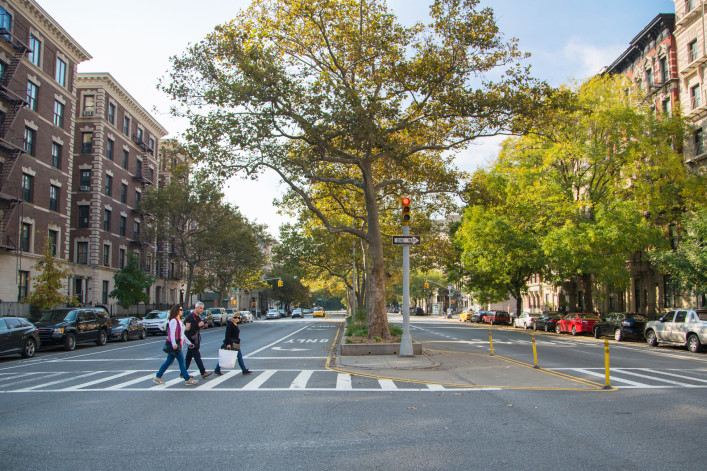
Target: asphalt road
[97, 408]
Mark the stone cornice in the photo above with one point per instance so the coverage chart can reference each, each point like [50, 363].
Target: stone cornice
[32, 10]
[106, 81]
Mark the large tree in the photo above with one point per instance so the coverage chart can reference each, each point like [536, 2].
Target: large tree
[131, 283]
[47, 290]
[349, 107]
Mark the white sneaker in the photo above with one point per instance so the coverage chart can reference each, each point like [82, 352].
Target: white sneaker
[191, 381]
[157, 380]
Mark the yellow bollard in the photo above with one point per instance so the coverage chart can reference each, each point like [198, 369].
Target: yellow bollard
[607, 383]
[535, 353]
[491, 341]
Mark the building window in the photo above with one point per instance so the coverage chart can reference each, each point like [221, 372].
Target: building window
[666, 106]
[664, 71]
[692, 51]
[54, 197]
[86, 142]
[151, 145]
[60, 72]
[82, 253]
[689, 5]
[106, 220]
[649, 77]
[138, 167]
[148, 264]
[695, 96]
[110, 145]
[23, 285]
[35, 49]
[25, 237]
[137, 197]
[53, 241]
[85, 180]
[111, 113]
[31, 96]
[109, 185]
[136, 230]
[83, 217]
[89, 105]
[104, 296]
[56, 155]
[123, 224]
[125, 159]
[106, 255]
[121, 258]
[27, 183]
[126, 126]
[29, 140]
[699, 147]
[58, 114]
[123, 193]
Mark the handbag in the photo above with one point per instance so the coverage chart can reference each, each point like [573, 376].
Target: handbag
[235, 346]
[227, 358]
[169, 349]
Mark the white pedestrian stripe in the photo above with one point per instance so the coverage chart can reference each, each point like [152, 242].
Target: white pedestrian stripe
[65, 380]
[98, 381]
[387, 384]
[259, 380]
[301, 380]
[343, 381]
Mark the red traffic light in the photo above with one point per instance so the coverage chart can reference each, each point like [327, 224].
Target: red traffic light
[406, 201]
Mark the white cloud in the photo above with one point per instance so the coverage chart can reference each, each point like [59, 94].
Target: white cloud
[588, 59]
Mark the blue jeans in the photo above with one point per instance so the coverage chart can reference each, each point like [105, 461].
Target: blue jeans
[240, 362]
[170, 359]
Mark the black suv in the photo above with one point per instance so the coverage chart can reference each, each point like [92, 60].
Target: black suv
[71, 325]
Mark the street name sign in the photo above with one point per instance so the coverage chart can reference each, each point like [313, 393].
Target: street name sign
[407, 240]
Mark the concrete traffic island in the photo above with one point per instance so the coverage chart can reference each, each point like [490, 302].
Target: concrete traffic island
[357, 349]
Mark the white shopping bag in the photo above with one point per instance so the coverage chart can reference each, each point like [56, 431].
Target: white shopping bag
[227, 358]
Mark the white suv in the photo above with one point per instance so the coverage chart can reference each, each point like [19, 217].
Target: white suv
[155, 322]
[220, 316]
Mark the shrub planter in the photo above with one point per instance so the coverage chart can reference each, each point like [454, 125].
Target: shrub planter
[354, 349]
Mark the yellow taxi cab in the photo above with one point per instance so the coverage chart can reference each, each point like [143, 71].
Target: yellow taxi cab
[318, 312]
[465, 315]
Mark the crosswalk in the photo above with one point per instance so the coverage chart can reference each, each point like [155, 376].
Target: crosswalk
[260, 380]
[643, 378]
[312, 380]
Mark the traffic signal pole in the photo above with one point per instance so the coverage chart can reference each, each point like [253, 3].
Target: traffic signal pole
[406, 339]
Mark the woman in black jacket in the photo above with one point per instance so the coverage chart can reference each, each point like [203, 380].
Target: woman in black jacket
[233, 340]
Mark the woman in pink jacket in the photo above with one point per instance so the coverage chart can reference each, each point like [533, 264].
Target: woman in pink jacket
[175, 338]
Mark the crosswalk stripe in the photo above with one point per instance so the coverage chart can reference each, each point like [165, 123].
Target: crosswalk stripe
[653, 378]
[52, 383]
[301, 380]
[212, 383]
[387, 384]
[131, 382]
[665, 373]
[611, 378]
[98, 381]
[259, 380]
[436, 387]
[343, 381]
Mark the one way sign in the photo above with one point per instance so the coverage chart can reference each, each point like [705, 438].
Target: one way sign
[407, 240]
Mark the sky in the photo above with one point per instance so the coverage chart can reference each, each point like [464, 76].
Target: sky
[134, 39]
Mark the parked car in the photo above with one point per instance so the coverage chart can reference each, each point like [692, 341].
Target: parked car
[219, 315]
[18, 335]
[272, 314]
[478, 316]
[124, 328]
[577, 323]
[155, 322]
[297, 313]
[526, 320]
[246, 317]
[686, 327]
[496, 317]
[417, 311]
[318, 312]
[621, 325]
[547, 321]
[465, 315]
[69, 325]
[229, 315]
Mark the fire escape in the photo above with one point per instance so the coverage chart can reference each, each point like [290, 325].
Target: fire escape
[144, 175]
[9, 150]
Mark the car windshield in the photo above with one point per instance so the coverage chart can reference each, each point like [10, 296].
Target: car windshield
[124, 321]
[156, 315]
[57, 315]
[587, 316]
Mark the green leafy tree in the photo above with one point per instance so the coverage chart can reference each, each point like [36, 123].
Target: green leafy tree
[131, 284]
[47, 290]
[687, 263]
[350, 108]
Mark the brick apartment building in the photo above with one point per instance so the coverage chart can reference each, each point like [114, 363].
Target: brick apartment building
[77, 153]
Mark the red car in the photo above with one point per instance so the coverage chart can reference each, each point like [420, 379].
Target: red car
[496, 317]
[577, 323]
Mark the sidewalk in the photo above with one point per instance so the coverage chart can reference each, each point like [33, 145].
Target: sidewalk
[460, 369]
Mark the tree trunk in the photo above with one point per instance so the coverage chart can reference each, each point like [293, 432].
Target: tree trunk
[588, 293]
[378, 317]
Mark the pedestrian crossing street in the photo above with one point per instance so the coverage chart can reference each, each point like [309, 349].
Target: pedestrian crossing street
[311, 380]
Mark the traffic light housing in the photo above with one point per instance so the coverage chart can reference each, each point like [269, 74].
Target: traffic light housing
[279, 283]
[406, 210]
[427, 285]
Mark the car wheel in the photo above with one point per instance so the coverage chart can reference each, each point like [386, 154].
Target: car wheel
[29, 348]
[102, 337]
[574, 330]
[651, 339]
[558, 329]
[123, 337]
[693, 343]
[618, 335]
[70, 342]
[596, 333]
[143, 334]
